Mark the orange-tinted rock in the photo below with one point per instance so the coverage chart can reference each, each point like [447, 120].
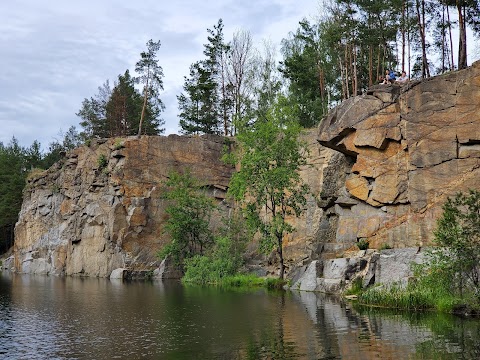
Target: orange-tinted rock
[413, 154]
[94, 220]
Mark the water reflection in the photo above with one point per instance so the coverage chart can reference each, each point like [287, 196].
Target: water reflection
[72, 318]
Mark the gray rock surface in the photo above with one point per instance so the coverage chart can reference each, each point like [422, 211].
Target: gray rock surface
[386, 267]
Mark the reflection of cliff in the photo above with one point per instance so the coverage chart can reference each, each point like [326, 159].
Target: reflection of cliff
[343, 333]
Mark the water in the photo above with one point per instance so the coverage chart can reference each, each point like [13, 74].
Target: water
[73, 318]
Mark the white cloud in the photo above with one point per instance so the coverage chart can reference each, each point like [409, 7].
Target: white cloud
[56, 53]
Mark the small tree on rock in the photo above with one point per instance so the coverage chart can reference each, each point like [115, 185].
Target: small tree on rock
[268, 182]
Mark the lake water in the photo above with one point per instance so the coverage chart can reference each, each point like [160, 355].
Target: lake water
[74, 318]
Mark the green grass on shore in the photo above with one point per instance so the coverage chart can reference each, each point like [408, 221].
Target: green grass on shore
[244, 281]
[415, 298]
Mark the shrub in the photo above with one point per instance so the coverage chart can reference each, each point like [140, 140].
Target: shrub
[458, 234]
[363, 244]
[102, 161]
[355, 287]
[118, 144]
[212, 268]
[385, 246]
[34, 173]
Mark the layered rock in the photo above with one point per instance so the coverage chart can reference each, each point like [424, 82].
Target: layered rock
[406, 150]
[101, 208]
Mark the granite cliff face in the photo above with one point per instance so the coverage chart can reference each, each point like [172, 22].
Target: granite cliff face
[101, 208]
[405, 151]
[380, 167]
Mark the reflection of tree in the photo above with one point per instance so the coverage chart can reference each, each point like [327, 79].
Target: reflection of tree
[272, 342]
[453, 337]
[429, 335]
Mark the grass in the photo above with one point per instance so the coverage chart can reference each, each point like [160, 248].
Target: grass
[356, 287]
[411, 298]
[245, 281]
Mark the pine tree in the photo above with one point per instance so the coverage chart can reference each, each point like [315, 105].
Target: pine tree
[151, 76]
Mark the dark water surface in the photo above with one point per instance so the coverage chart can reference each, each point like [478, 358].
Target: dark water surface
[72, 318]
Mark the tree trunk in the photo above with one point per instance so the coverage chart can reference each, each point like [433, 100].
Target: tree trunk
[342, 75]
[403, 35]
[443, 39]
[347, 88]
[378, 62]
[462, 41]
[144, 105]
[370, 66]
[452, 64]
[421, 29]
[355, 76]
[280, 254]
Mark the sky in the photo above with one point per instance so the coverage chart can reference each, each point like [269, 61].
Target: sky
[55, 53]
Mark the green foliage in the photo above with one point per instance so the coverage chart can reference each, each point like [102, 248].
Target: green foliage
[204, 96]
[117, 111]
[102, 161]
[398, 297]
[268, 183]
[225, 258]
[189, 212]
[118, 144]
[385, 246]
[363, 244]
[210, 269]
[243, 281]
[151, 76]
[15, 163]
[57, 149]
[55, 188]
[355, 288]
[456, 264]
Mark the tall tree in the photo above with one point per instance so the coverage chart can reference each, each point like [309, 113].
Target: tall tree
[198, 102]
[117, 111]
[268, 182]
[93, 113]
[268, 81]
[151, 76]
[57, 148]
[217, 52]
[240, 77]
[205, 103]
[304, 66]
[15, 163]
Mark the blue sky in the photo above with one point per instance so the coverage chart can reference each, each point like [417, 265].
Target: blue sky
[55, 53]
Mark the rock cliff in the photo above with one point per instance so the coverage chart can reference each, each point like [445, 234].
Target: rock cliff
[405, 151]
[380, 168]
[101, 207]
